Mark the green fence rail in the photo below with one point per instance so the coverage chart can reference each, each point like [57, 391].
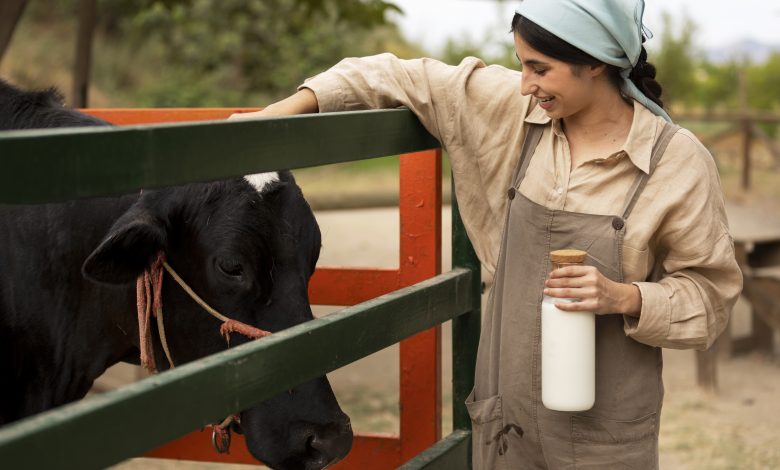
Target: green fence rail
[94, 162]
[55, 165]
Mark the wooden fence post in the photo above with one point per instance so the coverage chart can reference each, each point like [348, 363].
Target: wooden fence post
[10, 13]
[83, 57]
[707, 368]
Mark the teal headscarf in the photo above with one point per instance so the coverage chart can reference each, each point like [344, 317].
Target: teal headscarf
[608, 30]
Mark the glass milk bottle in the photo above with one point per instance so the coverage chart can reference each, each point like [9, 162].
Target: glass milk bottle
[568, 348]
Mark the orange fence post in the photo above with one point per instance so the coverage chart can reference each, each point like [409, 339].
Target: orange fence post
[420, 258]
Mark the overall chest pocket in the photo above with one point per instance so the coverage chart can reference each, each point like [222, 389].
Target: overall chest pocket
[487, 421]
[604, 253]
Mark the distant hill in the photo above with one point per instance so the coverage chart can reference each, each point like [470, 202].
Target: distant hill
[756, 52]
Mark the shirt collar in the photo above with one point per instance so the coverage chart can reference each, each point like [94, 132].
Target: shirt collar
[638, 145]
[537, 115]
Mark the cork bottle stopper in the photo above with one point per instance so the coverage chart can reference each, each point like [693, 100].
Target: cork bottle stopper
[565, 257]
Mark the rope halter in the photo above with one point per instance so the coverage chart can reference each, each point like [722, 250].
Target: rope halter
[149, 302]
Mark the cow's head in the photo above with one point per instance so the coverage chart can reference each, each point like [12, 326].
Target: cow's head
[248, 247]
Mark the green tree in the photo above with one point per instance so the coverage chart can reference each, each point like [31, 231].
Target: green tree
[717, 86]
[233, 51]
[221, 53]
[763, 84]
[495, 46]
[503, 52]
[676, 62]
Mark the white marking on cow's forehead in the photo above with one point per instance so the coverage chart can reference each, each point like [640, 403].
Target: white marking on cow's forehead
[261, 180]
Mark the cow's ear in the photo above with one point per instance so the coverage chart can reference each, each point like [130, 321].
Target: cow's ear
[130, 247]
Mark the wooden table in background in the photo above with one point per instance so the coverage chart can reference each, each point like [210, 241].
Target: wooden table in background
[756, 233]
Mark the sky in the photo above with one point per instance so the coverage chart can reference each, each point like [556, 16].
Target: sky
[720, 22]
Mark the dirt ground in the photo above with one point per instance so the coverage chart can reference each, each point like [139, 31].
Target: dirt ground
[736, 428]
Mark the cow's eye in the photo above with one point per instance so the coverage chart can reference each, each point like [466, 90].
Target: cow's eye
[230, 268]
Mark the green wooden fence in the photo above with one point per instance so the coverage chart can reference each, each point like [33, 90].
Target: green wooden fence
[63, 164]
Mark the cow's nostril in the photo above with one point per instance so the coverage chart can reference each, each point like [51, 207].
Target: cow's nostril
[311, 445]
[329, 444]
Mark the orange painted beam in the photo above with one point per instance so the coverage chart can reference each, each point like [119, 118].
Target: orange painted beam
[350, 286]
[420, 258]
[129, 116]
[197, 446]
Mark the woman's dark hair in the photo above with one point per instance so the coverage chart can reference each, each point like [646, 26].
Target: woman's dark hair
[643, 74]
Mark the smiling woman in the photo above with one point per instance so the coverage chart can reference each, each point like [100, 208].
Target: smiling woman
[531, 38]
[577, 153]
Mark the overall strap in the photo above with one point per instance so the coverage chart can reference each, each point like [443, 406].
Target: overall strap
[641, 180]
[532, 137]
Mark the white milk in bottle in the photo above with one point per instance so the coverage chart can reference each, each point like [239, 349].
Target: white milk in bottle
[568, 348]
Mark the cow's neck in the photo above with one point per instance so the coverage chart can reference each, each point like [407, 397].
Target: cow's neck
[66, 331]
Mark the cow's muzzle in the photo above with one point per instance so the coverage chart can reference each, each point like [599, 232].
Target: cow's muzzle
[326, 444]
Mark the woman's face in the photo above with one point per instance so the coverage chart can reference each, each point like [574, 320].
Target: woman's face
[562, 89]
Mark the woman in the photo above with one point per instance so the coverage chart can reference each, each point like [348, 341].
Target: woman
[574, 153]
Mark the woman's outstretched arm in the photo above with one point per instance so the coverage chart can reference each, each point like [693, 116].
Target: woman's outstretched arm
[302, 102]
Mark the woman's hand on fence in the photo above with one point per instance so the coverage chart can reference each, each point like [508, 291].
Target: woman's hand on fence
[596, 293]
[303, 102]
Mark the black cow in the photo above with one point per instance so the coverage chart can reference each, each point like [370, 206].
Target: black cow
[247, 246]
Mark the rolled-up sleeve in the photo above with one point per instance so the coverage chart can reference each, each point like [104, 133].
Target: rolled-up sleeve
[689, 306]
[426, 86]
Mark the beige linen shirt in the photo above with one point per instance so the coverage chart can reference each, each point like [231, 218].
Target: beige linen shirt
[677, 247]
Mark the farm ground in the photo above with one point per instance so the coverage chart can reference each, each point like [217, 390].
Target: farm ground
[737, 428]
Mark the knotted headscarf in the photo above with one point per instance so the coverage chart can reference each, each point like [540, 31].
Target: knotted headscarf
[608, 30]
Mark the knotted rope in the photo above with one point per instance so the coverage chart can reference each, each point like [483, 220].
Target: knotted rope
[149, 302]
[148, 292]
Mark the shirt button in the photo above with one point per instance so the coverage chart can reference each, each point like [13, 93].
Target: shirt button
[511, 193]
[618, 223]
[559, 190]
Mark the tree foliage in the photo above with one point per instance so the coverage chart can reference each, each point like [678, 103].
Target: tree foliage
[763, 83]
[676, 62]
[250, 46]
[227, 52]
[248, 49]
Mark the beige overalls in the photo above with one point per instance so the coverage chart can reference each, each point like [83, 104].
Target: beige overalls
[511, 427]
